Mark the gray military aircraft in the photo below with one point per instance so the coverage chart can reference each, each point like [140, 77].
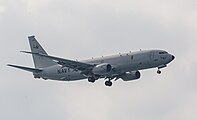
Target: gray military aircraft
[125, 66]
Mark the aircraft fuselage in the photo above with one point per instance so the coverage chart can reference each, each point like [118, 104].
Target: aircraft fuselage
[132, 61]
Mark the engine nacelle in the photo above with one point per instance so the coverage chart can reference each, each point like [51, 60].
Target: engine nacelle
[102, 69]
[131, 76]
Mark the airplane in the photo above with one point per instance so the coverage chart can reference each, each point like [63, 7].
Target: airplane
[121, 66]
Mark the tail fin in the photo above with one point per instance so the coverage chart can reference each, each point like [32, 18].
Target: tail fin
[39, 61]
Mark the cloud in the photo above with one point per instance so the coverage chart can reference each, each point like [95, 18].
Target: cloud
[2, 9]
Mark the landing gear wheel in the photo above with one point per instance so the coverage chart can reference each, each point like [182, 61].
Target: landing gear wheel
[92, 80]
[108, 83]
[158, 71]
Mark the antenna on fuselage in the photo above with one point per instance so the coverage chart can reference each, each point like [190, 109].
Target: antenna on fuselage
[120, 54]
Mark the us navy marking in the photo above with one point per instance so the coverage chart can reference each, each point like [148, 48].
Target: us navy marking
[65, 70]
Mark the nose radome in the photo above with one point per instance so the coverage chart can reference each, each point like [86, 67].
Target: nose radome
[173, 57]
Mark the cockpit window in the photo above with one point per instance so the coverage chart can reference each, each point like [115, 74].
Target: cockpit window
[163, 52]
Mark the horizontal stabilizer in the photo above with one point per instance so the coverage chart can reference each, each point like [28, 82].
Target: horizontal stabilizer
[25, 68]
[32, 53]
[26, 52]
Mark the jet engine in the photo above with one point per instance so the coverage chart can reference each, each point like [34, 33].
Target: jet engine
[128, 76]
[102, 69]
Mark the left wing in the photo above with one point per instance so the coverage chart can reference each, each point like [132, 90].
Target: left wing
[76, 65]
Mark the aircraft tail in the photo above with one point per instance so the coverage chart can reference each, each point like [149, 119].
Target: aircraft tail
[39, 61]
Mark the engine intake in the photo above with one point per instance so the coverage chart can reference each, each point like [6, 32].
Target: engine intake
[102, 69]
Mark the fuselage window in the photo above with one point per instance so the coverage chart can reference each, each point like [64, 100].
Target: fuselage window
[132, 57]
[163, 52]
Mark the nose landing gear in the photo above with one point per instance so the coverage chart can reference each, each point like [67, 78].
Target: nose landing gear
[159, 67]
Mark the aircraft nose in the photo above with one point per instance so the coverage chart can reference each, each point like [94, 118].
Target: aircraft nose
[173, 57]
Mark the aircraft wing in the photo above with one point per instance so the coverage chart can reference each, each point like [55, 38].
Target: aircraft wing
[76, 65]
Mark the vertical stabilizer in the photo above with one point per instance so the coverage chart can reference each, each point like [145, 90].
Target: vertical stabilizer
[39, 61]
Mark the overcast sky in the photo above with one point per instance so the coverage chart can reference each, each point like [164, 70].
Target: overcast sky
[80, 29]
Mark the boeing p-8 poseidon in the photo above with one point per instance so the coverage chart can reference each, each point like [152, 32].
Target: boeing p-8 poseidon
[122, 66]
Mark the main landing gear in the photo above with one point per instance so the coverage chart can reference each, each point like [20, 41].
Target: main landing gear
[158, 71]
[91, 79]
[108, 83]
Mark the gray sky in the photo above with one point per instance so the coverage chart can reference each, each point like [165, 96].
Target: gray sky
[77, 29]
